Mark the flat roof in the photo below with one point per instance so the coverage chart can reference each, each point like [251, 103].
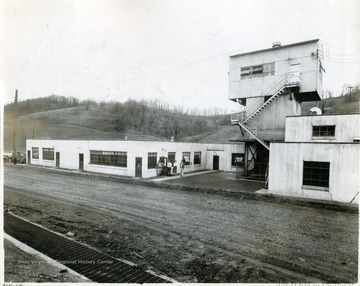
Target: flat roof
[276, 48]
[319, 115]
[123, 140]
[318, 143]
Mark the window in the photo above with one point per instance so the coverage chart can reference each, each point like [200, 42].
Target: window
[257, 71]
[35, 152]
[152, 159]
[186, 157]
[108, 158]
[324, 131]
[171, 157]
[48, 153]
[268, 69]
[237, 159]
[197, 158]
[316, 174]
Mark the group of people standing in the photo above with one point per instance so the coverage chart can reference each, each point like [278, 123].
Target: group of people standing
[171, 168]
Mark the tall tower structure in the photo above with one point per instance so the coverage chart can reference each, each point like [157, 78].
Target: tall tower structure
[269, 85]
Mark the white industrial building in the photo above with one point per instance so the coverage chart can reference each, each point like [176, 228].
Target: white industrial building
[269, 85]
[313, 156]
[319, 158]
[131, 158]
[302, 156]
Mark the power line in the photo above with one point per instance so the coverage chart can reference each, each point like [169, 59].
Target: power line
[162, 71]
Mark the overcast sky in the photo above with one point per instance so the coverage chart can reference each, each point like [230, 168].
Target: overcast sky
[174, 50]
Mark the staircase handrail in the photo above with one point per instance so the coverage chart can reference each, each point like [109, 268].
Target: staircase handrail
[254, 135]
[281, 81]
[264, 104]
[273, 89]
[269, 90]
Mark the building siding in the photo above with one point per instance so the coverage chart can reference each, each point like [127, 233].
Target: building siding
[286, 170]
[347, 127]
[304, 54]
[70, 149]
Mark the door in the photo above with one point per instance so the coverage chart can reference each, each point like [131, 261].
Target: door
[216, 162]
[81, 162]
[57, 159]
[138, 167]
[295, 74]
[29, 157]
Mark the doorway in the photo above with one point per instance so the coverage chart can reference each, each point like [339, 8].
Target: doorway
[29, 157]
[81, 162]
[138, 167]
[57, 160]
[216, 162]
[295, 74]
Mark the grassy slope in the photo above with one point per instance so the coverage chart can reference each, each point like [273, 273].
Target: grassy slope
[94, 123]
[68, 123]
[338, 105]
[222, 135]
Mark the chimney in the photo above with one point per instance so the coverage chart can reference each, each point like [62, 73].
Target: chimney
[276, 44]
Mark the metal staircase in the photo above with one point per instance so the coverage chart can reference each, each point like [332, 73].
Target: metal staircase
[285, 81]
[274, 90]
[264, 105]
[262, 142]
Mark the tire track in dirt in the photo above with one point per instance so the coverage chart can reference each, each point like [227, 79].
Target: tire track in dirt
[282, 235]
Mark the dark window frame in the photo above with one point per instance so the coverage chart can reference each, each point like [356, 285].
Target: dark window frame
[108, 158]
[256, 71]
[323, 131]
[316, 174]
[187, 157]
[152, 160]
[171, 156]
[235, 163]
[48, 154]
[35, 153]
[197, 158]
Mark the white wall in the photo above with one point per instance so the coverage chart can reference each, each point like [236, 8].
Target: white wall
[299, 128]
[70, 150]
[283, 57]
[269, 124]
[286, 170]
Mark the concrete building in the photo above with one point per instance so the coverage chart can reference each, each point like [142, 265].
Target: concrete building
[319, 158]
[131, 158]
[269, 85]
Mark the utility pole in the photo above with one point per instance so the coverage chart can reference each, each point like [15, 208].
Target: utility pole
[15, 126]
[351, 88]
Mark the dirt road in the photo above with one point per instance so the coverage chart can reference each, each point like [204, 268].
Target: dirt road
[190, 236]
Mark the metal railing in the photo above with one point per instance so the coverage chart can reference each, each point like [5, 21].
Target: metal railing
[288, 79]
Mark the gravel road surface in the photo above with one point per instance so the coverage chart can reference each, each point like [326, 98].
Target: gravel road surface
[190, 236]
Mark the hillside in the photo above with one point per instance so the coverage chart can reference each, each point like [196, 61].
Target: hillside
[347, 104]
[104, 121]
[135, 120]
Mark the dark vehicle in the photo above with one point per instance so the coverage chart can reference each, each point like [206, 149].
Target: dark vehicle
[9, 157]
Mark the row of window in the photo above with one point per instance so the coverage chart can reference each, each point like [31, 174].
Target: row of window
[118, 159]
[314, 173]
[47, 153]
[152, 158]
[108, 158]
[257, 71]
